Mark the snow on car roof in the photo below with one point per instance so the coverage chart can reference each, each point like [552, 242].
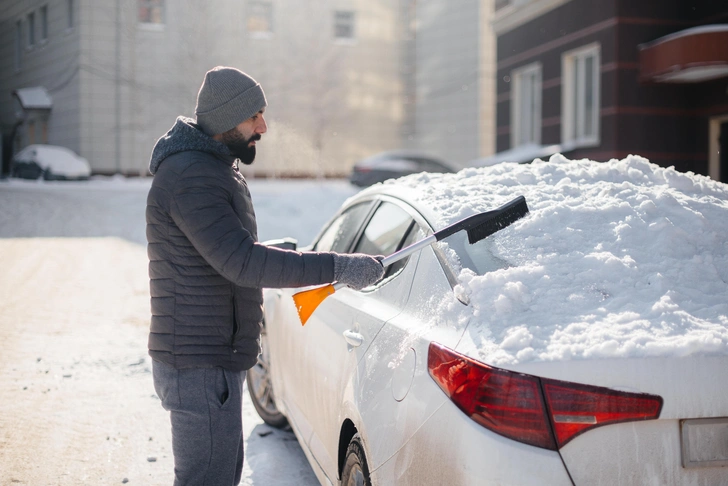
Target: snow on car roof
[616, 259]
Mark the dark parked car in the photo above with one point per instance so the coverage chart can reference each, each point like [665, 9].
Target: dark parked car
[390, 165]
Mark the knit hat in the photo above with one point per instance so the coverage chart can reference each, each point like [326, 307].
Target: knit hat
[227, 98]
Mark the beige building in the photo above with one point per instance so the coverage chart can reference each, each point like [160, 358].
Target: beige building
[116, 73]
[449, 79]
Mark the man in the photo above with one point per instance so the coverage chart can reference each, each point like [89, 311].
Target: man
[207, 270]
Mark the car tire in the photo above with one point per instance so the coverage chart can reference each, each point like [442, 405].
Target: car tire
[356, 469]
[260, 387]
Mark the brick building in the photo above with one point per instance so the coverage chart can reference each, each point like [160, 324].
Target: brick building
[602, 80]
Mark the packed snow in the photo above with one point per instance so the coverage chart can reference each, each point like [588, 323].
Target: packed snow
[616, 259]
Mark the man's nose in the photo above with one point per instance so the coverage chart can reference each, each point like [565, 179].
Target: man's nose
[262, 126]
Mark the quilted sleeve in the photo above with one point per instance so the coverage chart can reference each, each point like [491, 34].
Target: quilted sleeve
[201, 207]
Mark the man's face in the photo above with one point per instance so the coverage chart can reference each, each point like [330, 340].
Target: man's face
[241, 139]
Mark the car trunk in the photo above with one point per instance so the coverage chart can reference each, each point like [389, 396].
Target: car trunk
[687, 444]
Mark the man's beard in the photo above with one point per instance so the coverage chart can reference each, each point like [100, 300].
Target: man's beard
[239, 146]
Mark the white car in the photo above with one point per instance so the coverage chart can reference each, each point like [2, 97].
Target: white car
[586, 343]
[51, 162]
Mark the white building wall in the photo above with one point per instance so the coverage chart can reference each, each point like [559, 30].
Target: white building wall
[487, 72]
[97, 84]
[118, 85]
[330, 102]
[51, 63]
[450, 57]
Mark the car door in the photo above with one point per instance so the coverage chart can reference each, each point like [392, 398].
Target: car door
[344, 325]
[290, 343]
[396, 362]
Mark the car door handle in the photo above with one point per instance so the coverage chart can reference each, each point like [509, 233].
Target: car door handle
[353, 338]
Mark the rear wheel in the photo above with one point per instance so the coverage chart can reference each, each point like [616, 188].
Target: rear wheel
[356, 470]
[260, 387]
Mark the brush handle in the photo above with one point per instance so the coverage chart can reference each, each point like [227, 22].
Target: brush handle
[398, 255]
[470, 223]
[478, 226]
[408, 250]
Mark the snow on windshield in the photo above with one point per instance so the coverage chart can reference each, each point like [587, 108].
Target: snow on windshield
[615, 259]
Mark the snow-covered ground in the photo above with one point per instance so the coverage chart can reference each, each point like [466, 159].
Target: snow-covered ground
[77, 404]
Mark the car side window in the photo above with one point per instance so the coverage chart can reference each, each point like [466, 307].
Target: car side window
[387, 231]
[384, 231]
[341, 231]
[412, 236]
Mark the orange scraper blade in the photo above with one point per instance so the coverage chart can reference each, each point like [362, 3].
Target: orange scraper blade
[307, 301]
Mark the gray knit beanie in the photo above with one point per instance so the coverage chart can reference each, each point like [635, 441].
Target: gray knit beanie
[227, 98]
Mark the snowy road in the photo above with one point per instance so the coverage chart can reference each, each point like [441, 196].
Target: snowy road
[77, 404]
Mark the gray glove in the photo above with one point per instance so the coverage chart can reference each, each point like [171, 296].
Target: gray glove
[357, 270]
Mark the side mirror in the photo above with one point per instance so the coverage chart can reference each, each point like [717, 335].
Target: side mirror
[283, 243]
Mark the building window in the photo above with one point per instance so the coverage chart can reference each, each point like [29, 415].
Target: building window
[31, 29]
[18, 45]
[526, 105]
[70, 13]
[260, 18]
[151, 12]
[344, 25]
[44, 23]
[580, 96]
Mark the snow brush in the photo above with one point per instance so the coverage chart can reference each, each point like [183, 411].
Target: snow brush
[479, 226]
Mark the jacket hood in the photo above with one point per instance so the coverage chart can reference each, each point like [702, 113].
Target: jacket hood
[185, 136]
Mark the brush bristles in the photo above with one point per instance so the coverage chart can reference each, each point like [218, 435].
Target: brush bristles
[509, 216]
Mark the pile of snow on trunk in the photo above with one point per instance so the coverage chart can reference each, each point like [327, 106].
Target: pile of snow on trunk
[615, 259]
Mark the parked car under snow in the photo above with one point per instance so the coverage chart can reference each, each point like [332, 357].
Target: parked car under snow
[586, 343]
[51, 162]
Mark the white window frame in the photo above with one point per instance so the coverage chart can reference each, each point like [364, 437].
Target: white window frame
[714, 147]
[350, 24]
[260, 6]
[520, 124]
[574, 117]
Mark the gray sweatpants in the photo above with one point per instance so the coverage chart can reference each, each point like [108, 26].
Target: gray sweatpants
[205, 408]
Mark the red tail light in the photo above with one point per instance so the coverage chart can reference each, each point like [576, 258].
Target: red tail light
[513, 405]
[510, 404]
[576, 408]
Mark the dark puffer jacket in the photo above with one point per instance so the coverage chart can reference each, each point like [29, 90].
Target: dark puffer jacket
[206, 268]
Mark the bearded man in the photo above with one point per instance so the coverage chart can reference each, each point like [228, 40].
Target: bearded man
[207, 271]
